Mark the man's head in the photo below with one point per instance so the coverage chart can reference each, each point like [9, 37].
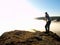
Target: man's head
[45, 12]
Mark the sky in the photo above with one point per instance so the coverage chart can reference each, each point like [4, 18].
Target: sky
[51, 6]
[20, 14]
[17, 15]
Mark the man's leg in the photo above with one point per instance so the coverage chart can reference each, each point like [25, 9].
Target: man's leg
[49, 22]
[46, 28]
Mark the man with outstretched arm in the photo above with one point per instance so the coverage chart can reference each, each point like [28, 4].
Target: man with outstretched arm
[48, 22]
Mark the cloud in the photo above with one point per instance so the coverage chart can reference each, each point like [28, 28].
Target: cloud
[16, 14]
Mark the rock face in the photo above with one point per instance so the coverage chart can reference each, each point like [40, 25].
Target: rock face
[29, 38]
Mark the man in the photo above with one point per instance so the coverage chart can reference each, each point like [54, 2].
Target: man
[48, 22]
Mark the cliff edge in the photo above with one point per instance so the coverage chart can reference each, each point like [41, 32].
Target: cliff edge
[18, 37]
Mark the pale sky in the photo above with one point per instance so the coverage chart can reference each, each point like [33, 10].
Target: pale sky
[19, 14]
[51, 6]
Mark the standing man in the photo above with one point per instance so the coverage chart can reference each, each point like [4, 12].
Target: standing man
[48, 22]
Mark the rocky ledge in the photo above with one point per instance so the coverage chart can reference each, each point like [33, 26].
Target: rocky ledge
[18, 37]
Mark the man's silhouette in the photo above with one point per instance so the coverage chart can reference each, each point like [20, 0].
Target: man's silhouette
[48, 22]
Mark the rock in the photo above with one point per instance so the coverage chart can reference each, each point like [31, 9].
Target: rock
[29, 38]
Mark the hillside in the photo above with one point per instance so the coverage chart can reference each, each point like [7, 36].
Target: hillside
[18, 37]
